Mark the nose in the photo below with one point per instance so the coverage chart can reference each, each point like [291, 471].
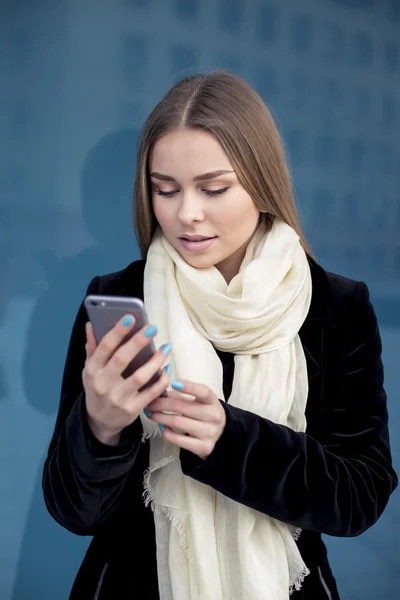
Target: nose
[190, 210]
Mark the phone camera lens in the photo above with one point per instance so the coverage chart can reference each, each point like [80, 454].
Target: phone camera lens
[93, 302]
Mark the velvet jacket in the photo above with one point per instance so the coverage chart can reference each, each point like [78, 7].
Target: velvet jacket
[335, 479]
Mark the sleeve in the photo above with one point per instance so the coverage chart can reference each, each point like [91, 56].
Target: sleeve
[83, 479]
[337, 485]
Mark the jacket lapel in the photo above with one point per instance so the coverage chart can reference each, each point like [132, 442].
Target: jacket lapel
[320, 317]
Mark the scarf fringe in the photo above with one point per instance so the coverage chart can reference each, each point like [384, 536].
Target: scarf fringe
[295, 533]
[149, 435]
[175, 522]
[150, 429]
[298, 582]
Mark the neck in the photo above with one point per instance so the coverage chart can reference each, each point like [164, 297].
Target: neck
[230, 266]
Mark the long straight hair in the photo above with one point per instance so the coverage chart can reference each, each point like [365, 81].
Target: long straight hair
[229, 109]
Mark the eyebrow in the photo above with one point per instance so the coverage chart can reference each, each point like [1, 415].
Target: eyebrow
[204, 177]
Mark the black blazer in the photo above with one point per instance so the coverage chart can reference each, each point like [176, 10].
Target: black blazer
[334, 479]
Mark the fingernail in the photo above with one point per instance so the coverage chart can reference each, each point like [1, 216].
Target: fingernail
[166, 349]
[87, 326]
[147, 413]
[127, 321]
[168, 370]
[150, 331]
[177, 385]
[162, 427]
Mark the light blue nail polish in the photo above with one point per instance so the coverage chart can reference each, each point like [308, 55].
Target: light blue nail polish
[150, 331]
[147, 413]
[162, 427]
[87, 326]
[177, 385]
[127, 321]
[168, 370]
[166, 349]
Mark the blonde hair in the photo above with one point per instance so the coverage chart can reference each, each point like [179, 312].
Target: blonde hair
[229, 109]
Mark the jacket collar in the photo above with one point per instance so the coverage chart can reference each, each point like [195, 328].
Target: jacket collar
[322, 310]
[321, 315]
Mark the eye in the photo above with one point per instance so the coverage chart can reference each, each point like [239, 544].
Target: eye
[168, 194]
[216, 192]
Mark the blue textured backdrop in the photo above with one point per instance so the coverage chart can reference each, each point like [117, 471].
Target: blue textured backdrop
[77, 79]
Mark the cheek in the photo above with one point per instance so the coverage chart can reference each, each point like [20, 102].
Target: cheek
[166, 217]
[160, 210]
[155, 204]
[243, 217]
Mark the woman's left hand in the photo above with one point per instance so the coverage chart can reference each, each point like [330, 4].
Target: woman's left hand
[202, 419]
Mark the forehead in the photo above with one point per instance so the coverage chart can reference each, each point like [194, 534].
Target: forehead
[188, 151]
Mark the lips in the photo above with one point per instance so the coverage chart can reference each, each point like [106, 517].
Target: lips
[196, 238]
[197, 243]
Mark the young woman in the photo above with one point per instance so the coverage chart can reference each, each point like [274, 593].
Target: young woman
[275, 428]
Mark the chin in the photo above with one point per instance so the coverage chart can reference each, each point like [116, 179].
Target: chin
[199, 262]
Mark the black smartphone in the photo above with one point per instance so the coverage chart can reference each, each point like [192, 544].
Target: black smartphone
[105, 311]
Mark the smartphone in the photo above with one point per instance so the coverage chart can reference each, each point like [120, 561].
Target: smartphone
[105, 311]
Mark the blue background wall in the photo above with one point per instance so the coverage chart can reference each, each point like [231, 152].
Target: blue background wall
[77, 79]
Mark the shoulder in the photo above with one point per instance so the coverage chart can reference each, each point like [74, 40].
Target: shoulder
[334, 295]
[345, 290]
[126, 282]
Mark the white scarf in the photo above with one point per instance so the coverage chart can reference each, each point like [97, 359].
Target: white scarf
[210, 547]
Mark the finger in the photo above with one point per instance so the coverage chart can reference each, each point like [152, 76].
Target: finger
[91, 344]
[144, 374]
[132, 401]
[193, 427]
[192, 409]
[146, 397]
[201, 392]
[128, 351]
[192, 444]
[111, 340]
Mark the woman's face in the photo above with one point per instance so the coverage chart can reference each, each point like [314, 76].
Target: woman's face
[203, 210]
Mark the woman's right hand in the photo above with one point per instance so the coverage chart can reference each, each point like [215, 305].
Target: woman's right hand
[112, 402]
